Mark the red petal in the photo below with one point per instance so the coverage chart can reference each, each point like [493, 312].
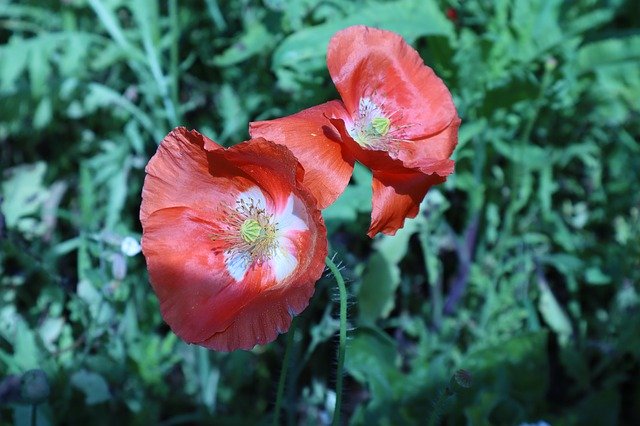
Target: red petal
[197, 295]
[397, 196]
[431, 155]
[368, 62]
[261, 322]
[178, 174]
[312, 139]
[262, 163]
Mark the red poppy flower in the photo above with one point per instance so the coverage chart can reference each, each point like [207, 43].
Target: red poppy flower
[452, 14]
[234, 243]
[396, 117]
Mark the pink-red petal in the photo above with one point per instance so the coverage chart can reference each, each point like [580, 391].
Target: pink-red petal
[262, 163]
[198, 297]
[314, 142]
[397, 196]
[431, 155]
[370, 63]
[178, 174]
[260, 322]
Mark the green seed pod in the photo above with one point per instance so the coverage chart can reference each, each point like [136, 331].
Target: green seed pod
[250, 230]
[34, 387]
[381, 125]
[463, 378]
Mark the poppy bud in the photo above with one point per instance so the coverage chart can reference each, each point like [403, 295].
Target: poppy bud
[34, 387]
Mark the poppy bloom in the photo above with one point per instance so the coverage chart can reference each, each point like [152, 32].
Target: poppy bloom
[233, 242]
[396, 117]
[452, 14]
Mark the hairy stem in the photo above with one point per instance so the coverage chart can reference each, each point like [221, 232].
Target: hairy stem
[343, 337]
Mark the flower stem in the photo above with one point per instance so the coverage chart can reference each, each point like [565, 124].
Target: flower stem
[343, 337]
[174, 59]
[283, 372]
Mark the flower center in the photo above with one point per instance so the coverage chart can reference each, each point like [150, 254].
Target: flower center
[250, 230]
[381, 125]
[371, 127]
[251, 234]
[257, 230]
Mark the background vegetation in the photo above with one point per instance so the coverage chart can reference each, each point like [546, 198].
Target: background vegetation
[523, 269]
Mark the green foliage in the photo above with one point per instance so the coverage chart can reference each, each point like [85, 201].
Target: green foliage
[523, 269]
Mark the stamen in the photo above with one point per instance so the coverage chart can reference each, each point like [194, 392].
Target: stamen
[249, 234]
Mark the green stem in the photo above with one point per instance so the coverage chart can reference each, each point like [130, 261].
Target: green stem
[34, 414]
[435, 416]
[283, 372]
[343, 337]
[174, 59]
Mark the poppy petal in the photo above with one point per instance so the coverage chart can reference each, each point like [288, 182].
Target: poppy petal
[397, 196]
[431, 155]
[179, 166]
[198, 297]
[269, 315]
[314, 142]
[380, 67]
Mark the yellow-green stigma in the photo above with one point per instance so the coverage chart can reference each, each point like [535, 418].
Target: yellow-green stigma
[372, 126]
[381, 125]
[251, 234]
[250, 230]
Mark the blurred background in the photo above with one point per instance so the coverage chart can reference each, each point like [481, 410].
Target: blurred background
[513, 298]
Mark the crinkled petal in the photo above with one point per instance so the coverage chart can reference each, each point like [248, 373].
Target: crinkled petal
[312, 139]
[289, 291]
[431, 155]
[260, 323]
[198, 297]
[370, 63]
[397, 196]
[261, 163]
[178, 174]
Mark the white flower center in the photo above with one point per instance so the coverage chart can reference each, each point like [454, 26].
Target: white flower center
[371, 126]
[257, 235]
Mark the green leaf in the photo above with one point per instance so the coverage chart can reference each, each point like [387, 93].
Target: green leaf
[553, 314]
[111, 24]
[379, 283]
[233, 113]
[39, 66]
[26, 351]
[13, 57]
[304, 51]
[43, 114]
[355, 199]
[376, 298]
[372, 360]
[595, 276]
[609, 53]
[257, 40]
[93, 385]
[24, 194]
